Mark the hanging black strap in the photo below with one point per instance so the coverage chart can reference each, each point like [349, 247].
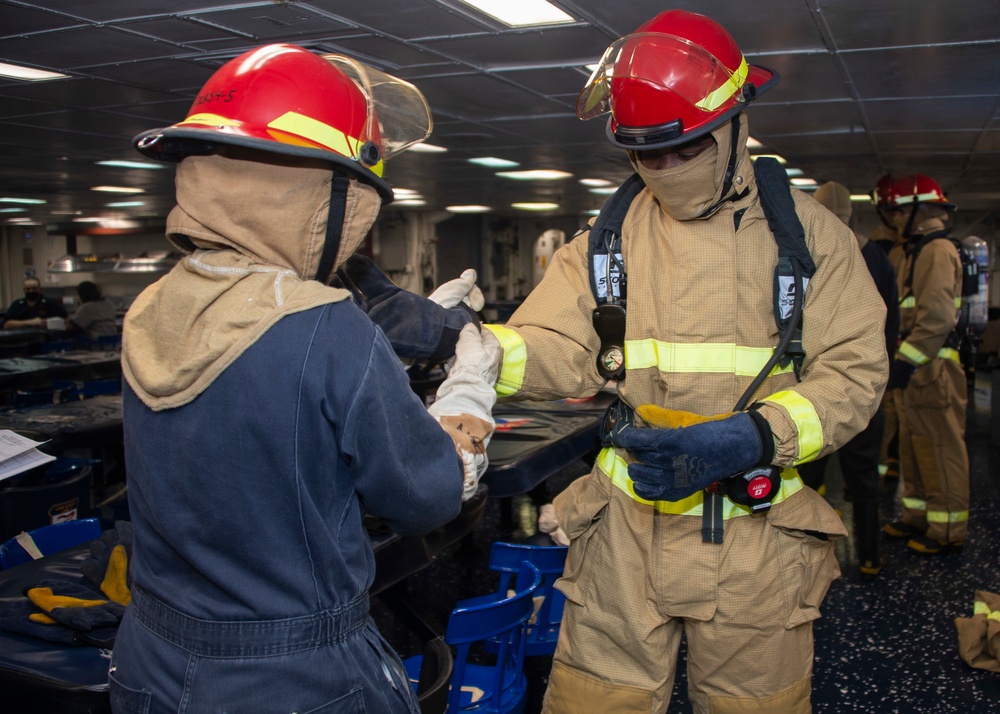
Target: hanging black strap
[779, 207]
[334, 226]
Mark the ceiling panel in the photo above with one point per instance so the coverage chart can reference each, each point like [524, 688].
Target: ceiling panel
[867, 88]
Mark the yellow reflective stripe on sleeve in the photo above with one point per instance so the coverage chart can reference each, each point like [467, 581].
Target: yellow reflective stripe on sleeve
[958, 302]
[514, 359]
[722, 94]
[712, 357]
[981, 608]
[913, 354]
[807, 423]
[915, 504]
[616, 468]
[908, 302]
[949, 353]
[947, 516]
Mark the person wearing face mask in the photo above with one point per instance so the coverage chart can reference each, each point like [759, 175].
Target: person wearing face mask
[657, 552]
[265, 414]
[934, 463]
[33, 309]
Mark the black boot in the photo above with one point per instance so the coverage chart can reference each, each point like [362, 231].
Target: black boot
[866, 536]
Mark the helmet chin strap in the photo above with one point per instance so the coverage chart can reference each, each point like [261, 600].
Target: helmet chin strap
[727, 181]
[334, 226]
[908, 231]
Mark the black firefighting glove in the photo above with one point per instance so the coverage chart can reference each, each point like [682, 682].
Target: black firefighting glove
[674, 462]
[107, 566]
[418, 328]
[900, 372]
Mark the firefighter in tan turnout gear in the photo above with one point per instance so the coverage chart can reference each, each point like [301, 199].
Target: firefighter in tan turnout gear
[700, 264]
[934, 463]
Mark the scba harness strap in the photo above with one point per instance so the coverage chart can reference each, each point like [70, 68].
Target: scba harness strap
[609, 284]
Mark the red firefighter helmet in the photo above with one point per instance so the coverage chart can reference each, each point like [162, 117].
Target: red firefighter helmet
[916, 189]
[880, 194]
[285, 99]
[677, 77]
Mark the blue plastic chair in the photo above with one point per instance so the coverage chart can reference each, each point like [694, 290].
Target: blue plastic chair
[50, 539]
[499, 688]
[543, 628]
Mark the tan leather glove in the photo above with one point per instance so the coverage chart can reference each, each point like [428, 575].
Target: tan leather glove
[465, 401]
[461, 289]
[673, 418]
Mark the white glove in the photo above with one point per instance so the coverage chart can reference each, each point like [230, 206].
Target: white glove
[461, 289]
[465, 401]
[548, 524]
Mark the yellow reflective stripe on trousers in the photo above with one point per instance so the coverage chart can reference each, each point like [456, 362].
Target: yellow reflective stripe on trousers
[616, 468]
[914, 504]
[714, 357]
[514, 358]
[981, 608]
[949, 353]
[947, 516]
[908, 302]
[807, 423]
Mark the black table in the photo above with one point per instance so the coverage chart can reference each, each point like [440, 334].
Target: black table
[40, 676]
[86, 423]
[40, 370]
[535, 440]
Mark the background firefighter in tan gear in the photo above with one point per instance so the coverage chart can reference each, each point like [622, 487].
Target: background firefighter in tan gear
[886, 236]
[934, 463]
[700, 262]
[859, 458]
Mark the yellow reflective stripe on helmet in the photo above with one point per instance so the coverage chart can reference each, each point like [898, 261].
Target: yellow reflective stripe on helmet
[908, 302]
[913, 354]
[725, 358]
[807, 423]
[947, 516]
[515, 355]
[915, 504]
[210, 120]
[616, 468]
[719, 96]
[323, 134]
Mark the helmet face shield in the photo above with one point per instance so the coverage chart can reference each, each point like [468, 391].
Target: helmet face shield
[398, 115]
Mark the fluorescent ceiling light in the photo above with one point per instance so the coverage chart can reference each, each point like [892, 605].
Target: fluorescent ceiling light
[535, 206]
[781, 159]
[804, 183]
[534, 175]
[592, 212]
[861, 198]
[12, 210]
[21, 219]
[793, 172]
[27, 73]
[595, 182]
[521, 12]
[410, 202]
[130, 164]
[125, 204]
[494, 163]
[427, 149]
[468, 209]
[29, 201]
[604, 191]
[753, 143]
[116, 189]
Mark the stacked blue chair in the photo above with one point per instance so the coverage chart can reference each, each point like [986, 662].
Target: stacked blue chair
[50, 539]
[543, 628]
[499, 688]
[58, 491]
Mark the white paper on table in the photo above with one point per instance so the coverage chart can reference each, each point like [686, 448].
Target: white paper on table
[19, 453]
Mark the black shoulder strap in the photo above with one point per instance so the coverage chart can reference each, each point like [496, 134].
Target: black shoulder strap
[913, 251]
[793, 252]
[604, 251]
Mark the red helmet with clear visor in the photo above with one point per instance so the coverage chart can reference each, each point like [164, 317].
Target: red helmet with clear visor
[916, 189]
[679, 76]
[285, 99]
